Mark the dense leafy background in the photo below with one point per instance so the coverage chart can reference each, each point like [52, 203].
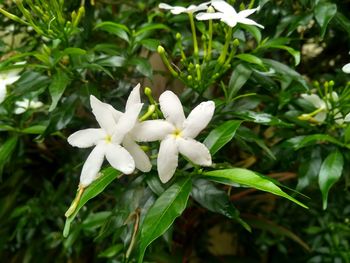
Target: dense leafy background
[106, 53]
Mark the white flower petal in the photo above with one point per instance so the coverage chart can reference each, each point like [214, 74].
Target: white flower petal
[247, 12]
[126, 123]
[120, 158]
[248, 21]
[197, 152]
[196, 8]
[315, 100]
[105, 114]
[347, 117]
[92, 165]
[19, 110]
[165, 6]
[321, 116]
[167, 159]
[141, 159]
[223, 7]
[346, 68]
[172, 109]
[11, 78]
[198, 119]
[134, 98]
[153, 130]
[86, 138]
[208, 16]
[230, 21]
[338, 118]
[2, 92]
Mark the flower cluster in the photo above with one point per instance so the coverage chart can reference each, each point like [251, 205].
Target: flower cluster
[323, 107]
[116, 138]
[222, 10]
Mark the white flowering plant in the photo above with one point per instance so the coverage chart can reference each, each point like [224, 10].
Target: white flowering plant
[152, 131]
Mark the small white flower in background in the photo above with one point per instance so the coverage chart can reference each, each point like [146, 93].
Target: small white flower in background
[346, 68]
[26, 104]
[322, 107]
[107, 140]
[8, 77]
[177, 134]
[227, 14]
[176, 10]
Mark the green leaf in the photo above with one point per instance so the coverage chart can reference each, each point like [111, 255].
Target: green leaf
[251, 59]
[6, 151]
[163, 213]
[304, 141]
[35, 129]
[150, 27]
[252, 30]
[223, 134]
[107, 176]
[215, 200]
[112, 251]
[150, 43]
[74, 51]
[114, 28]
[324, 12]
[58, 85]
[262, 118]
[143, 66]
[239, 77]
[330, 173]
[248, 178]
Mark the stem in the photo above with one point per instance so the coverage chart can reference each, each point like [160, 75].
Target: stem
[166, 62]
[210, 39]
[194, 35]
[75, 203]
[136, 215]
[222, 57]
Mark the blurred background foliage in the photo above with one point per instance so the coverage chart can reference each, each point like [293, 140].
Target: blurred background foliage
[104, 47]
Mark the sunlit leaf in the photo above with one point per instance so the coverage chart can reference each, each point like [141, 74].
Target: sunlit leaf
[221, 135]
[248, 178]
[163, 213]
[330, 172]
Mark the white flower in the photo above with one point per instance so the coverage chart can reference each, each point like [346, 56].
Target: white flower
[227, 14]
[176, 10]
[25, 104]
[346, 68]
[319, 104]
[323, 106]
[177, 134]
[7, 78]
[107, 140]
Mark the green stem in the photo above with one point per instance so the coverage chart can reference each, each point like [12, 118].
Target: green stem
[223, 54]
[210, 39]
[194, 35]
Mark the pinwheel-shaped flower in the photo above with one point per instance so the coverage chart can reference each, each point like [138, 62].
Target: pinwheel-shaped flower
[227, 14]
[107, 140]
[176, 10]
[177, 134]
[25, 104]
[323, 106]
[7, 78]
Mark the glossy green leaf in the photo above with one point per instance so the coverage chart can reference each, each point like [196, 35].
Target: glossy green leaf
[143, 66]
[324, 12]
[6, 150]
[304, 141]
[330, 172]
[262, 118]
[107, 176]
[58, 85]
[215, 200]
[74, 51]
[221, 135]
[239, 77]
[309, 168]
[251, 59]
[163, 213]
[248, 178]
[35, 129]
[252, 30]
[150, 27]
[114, 28]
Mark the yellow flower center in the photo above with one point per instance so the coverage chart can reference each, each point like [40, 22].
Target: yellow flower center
[177, 133]
[108, 139]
